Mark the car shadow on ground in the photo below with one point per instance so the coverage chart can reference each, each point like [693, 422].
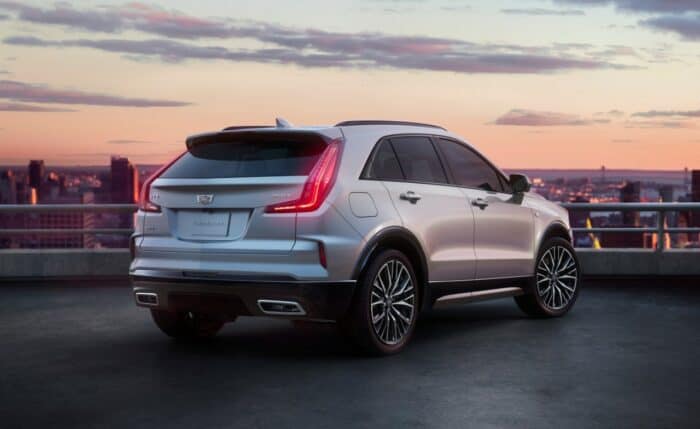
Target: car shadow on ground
[284, 340]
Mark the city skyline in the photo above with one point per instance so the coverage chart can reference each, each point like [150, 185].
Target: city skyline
[569, 84]
[121, 182]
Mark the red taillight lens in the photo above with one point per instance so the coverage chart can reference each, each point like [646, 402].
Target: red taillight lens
[145, 203]
[317, 186]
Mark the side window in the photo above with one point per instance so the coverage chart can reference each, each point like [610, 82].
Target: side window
[385, 166]
[418, 159]
[470, 169]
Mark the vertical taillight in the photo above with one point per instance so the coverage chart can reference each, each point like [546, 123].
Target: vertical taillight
[145, 203]
[317, 186]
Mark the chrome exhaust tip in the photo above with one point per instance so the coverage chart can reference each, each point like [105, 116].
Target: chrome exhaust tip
[149, 299]
[280, 308]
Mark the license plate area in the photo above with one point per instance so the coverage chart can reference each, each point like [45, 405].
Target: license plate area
[211, 224]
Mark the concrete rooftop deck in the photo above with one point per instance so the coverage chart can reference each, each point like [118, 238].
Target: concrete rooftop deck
[83, 356]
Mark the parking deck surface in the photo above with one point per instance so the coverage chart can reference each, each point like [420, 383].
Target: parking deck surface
[82, 355]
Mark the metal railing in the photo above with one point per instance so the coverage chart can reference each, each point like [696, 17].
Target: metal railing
[66, 208]
[661, 210]
[34, 263]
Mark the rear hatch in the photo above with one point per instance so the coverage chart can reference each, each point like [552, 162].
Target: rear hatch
[214, 196]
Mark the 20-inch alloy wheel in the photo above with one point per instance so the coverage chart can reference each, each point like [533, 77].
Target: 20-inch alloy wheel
[557, 281]
[384, 311]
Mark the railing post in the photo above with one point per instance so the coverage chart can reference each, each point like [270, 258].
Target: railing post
[660, 230]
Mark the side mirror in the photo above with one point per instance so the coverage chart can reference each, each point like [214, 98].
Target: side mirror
[520, 183]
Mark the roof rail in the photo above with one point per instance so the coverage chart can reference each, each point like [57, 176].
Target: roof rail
[376, 122]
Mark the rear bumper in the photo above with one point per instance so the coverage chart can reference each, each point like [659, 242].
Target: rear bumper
[328, 301]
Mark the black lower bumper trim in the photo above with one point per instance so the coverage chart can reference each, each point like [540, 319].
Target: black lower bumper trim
[328, 301]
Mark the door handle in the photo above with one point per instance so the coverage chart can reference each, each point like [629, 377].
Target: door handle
[481, 203]
[410, 196]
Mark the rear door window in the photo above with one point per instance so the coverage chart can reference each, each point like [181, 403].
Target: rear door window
[418, 159]
[255, 158]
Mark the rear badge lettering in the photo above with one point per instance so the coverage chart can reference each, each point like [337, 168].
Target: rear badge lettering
[205, 199]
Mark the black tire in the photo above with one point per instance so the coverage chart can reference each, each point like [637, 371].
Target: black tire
[400, 322]
[187, 325]
[545, 300]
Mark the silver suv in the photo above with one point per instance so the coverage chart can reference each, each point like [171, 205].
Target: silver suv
[366, 223]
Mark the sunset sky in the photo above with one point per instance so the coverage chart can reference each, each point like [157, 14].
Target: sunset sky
[533, 84]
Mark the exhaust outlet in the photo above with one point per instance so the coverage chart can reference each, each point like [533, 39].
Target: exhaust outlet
[281, 308]
[147, 298]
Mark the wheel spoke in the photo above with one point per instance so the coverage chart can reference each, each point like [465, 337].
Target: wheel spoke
[381, 282]
[565, 287]
[569, 264]
[543, 263]
[403, 295]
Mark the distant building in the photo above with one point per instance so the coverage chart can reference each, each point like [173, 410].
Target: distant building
[694, 217]
[25, 193]
[124, 181]
[667, 193]
[630, 193]
[8, 187]
[61, 220]
[8, 195]
[53, 188]
[578, 218]
[36, 173]
[124, 184]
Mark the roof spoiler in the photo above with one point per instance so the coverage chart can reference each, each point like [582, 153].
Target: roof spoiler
[253, 134]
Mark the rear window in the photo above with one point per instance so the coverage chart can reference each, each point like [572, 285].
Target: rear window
[247, 158]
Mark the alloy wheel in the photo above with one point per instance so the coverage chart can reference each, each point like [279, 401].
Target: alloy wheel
[557, 277]
[392, 302]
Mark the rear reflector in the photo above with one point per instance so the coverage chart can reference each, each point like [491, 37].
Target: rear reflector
[322, 255]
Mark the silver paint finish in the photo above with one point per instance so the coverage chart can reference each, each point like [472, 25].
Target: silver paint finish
[362, 204]
[499, 237]
[443, 223]
[504, 234]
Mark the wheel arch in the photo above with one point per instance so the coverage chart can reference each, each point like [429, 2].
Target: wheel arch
[398, 238]
[555, 229]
